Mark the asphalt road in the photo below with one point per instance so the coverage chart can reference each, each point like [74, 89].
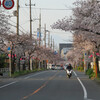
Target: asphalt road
[50, 85]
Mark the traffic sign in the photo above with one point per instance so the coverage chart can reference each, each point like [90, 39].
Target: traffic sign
[9, 48]
[55, 52]
[8, 4]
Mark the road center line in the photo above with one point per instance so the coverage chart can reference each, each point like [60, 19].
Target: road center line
[8, 84]
[37, 90]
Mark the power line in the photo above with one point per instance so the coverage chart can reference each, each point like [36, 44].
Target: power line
[47, 8]
[19, 25]
[24, 22]
[19, 29]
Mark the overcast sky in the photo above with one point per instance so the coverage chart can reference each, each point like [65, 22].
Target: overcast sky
[48, 16]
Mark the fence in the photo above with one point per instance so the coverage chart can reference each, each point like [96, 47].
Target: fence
[4, 72]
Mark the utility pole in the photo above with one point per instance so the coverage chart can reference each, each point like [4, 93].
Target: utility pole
[10, 63]
[40, 28]
[53, 45]
[85, 62]
[10, 58]
[48, 39]
[94, 64]
[45, 35]
[17, 17]
[30, 5]
[16, 13]
[30, 21]
[51, 42]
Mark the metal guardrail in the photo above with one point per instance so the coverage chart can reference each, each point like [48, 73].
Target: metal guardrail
[3, 70]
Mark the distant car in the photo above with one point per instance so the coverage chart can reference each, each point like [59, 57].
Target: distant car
[65, 67]
[58, 67]
[62, 66]
[49, 66]
[53, 67]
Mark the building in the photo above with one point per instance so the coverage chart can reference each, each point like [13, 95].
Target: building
[65, 46]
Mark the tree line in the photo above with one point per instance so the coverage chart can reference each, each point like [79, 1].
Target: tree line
[85, 26]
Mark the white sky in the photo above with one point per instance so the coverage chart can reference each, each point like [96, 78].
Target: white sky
[48, 16]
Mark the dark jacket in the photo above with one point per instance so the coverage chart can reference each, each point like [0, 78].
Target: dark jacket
[69, 67]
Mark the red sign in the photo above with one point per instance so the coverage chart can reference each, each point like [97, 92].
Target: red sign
[90, 56]
[0, 3]
[9, 55]
[8, 4]
[97, 54]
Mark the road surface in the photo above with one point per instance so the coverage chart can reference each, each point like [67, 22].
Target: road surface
[49, 85]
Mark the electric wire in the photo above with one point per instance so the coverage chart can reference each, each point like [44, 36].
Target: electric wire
[19, 25]
[47, 8]
[19, 29]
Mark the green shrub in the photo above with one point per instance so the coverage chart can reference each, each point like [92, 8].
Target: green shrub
[89, 71]
[92, 75]
[80, 68]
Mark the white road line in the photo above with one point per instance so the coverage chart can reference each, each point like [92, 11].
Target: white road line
[84, 89]
[8, 84]
[75, 74]
[34, 75]
[18, 81]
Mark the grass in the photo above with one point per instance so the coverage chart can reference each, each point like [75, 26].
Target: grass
[20, 73]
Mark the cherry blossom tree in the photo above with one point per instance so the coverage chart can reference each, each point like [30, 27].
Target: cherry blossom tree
[84, 24]
[86, 17]
[85, 20]
[21, 45]
[4, 26]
